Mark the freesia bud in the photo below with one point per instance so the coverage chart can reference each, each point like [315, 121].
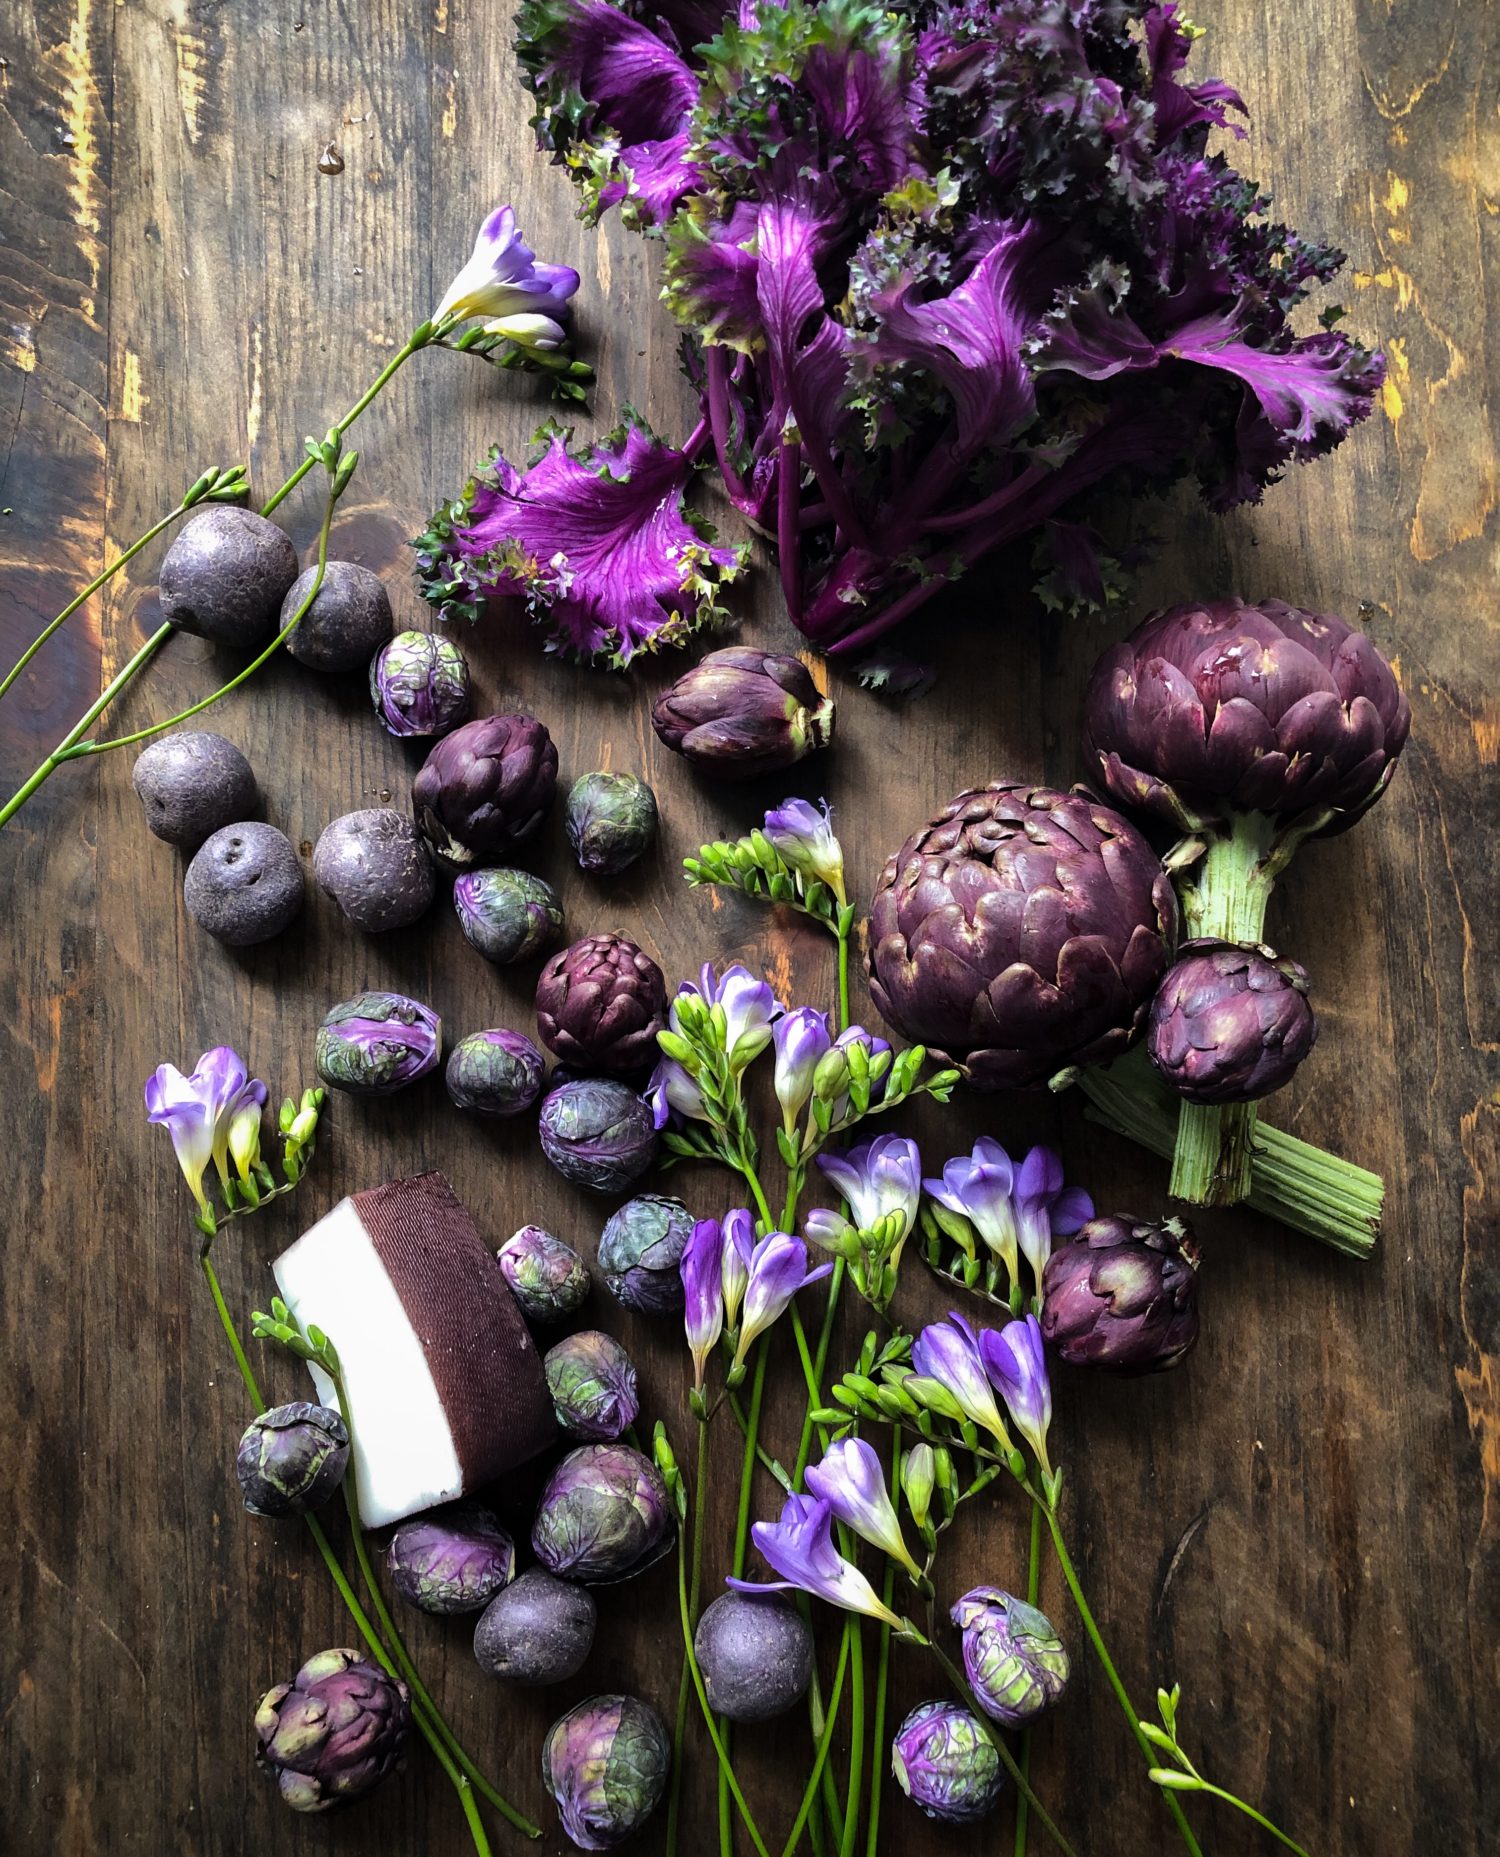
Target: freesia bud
[529, 330]
[1017, 1366]
[850, 1480]
[802, 1040]
[919, 1480]
[703, 1292]
[503, 279]
[803, 837]
[948, 1354]
[739, 1248]
[778, 1270]
[831, 1231]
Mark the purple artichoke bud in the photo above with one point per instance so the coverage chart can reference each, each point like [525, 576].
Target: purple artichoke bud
[495, 1072]
[604, 1516]
[611, 821]
[598, 1134]
[291, 1459]
[600, 1004]
[1230, 1023]
[1015, 1661]
[742, 712]
[1209, 710]
[376, 1043]
[485, 789]
[1021, 932]
[539, 1630]
[508, 915]
[1123, 1295]
[592, 1382]
[946, 1764]
[454, 1559]
[547, 1277]
[756, 1655]
[419, 684]
[332, 1733]
[606, 1764]
[640, 1251]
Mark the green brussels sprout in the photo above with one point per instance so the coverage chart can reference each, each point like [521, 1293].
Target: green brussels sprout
[606, 1765]
[508, 915]
[611, 821]
[604, 1516]
[945, 1763]
[640, 1252]
[547, 1277]
[377, 1042]
[454, 1559]
[495, 1072]
[292, 1459]
[592, 1383]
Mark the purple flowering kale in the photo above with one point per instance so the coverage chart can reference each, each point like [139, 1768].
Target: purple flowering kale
[947, 269]
[598, 542]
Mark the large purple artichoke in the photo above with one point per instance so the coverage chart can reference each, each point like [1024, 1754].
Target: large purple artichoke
[600, 1004]
[485, 789]
[1020, 932]
[741, 712]
[1123, 1295]
[336, 1730]
[1230, 1023]
[1227, 707]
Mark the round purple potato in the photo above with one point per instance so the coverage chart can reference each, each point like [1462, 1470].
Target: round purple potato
[244, 884]
[191, 783]
[347, 623]
[756, 1655]
[376, 868]
[225, 577]
[539, 1630]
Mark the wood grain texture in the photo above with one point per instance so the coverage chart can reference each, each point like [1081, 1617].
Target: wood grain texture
[1303, 1525]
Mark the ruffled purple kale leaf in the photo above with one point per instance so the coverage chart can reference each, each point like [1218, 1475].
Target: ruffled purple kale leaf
[598, 542]
[950, 269]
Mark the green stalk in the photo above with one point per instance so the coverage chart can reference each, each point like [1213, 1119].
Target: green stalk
[742, 1540]
[685, 1681]
[1033, 1590]
[1218, 1792]
[1224, 895]
[820, 1364]
[1106, 1662]
[346, 1592]
[856, 1729]
[843, 985]
[882, 1678]
[820, 1758]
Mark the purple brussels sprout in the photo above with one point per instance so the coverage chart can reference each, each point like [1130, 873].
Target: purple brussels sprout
[1224, 708]
[376, 1043]
[539, 1630]
[1230, 1023]
[600, 1004]
[611, 822]
[1123, 1295]
[547, 1277]
[292, 1459]
[494, 1073]
[606, 1764]
[640, 1251]
[603, 1516]
[419, 684]
[485, 789]
[742, 712]
[334, 1732]
[592, 1382]
[1014, 1659]
[451, 1560]
[946, 1763]
[598, 1134]
[1021, 932]
[508, 915]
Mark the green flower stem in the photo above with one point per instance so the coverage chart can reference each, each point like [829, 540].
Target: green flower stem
[684, 1685]
[820, 1365]
[1033, 1592]
[346, 1592]
[72, 743]
[856, 1726]
[1218, 1792]
[420, 1693]
[997, 1741]
[742, 1542]
[843, 984]
[1106, 1662]
[1224, 895]
[882, 1679]
[825, 1741]
[822, 1723]
[726, 1771]
[774, 1470]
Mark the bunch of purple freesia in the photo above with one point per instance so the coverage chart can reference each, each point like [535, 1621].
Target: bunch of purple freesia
[1014, 1209]
[736, 1286]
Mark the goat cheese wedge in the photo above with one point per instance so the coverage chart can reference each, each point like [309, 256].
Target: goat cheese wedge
[444, 1381]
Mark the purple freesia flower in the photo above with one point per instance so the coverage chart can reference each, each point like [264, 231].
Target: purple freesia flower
[1014, 1209]
[948, 1352]
[874, 1047]
[502, 279]
[802, 1038]
[778, 1270]
[200, 1111]
[879, 1178]
[851, 1481]
[800, 1548]
[1016, 1363]
[739, 1249]
[701, 1265]
[750, 1010]
[1045, 1208]
[829, 1231]
[672, 1092]
[803, 835]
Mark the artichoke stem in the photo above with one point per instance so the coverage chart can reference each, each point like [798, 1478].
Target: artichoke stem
[1224, 895]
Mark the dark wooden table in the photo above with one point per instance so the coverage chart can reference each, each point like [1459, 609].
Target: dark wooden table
[1300, 1526]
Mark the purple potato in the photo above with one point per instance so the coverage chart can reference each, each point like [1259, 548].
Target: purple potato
[225, 577]
[244, 885]
[191, 783]
[347, 623]
[376, 868]
[756, 1655]
[539, 1630]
